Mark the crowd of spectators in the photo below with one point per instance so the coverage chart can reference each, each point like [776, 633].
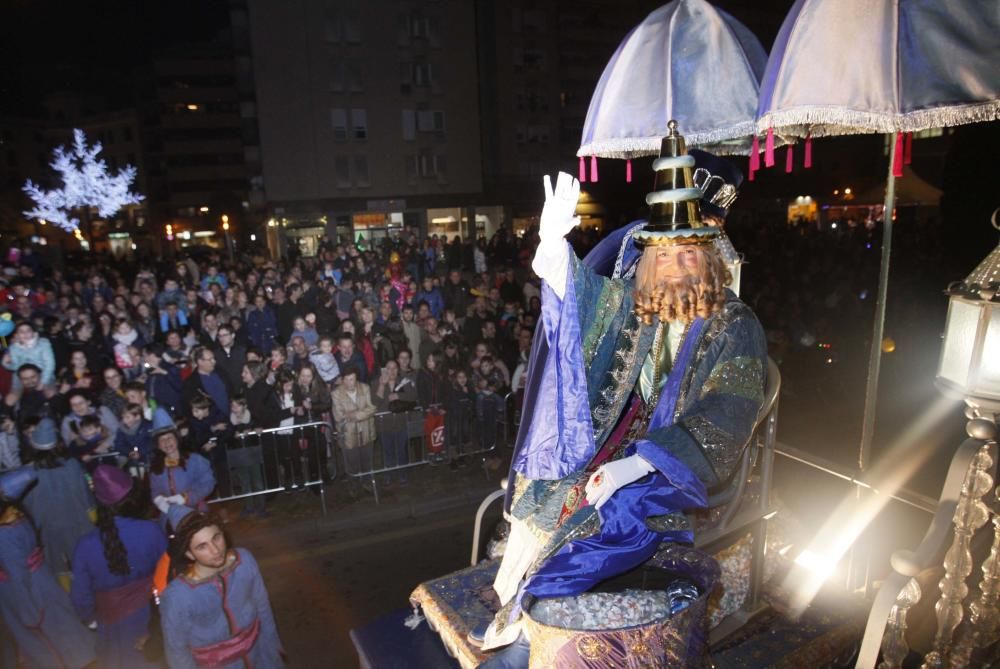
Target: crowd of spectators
[159, 366]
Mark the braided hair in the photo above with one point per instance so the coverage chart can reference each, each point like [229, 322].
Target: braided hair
[131, 506]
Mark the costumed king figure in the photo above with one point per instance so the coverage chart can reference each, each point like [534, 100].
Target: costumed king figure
[643, 396]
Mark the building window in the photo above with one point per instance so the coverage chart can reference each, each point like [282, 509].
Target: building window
[405, 77]
[352, 28]
[441, 169]
[361, 171]
[338, 83]
[410, 164]
[418, 25]
[342, 170]
[423, 75]
[409, 125]
[333, 29]
[538, 134]
[403, 30]
[338, 119]
[354, 78]
[430, 120]
[359, 124]
[425, 164]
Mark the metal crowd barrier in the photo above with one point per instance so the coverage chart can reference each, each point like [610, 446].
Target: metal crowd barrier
[263, 462]
[404, 440]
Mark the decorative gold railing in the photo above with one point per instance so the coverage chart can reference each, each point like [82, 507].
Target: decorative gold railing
[966, 623]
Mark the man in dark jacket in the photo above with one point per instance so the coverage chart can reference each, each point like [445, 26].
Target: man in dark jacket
[230, 357]
[262, 326]
[287, 310]
[206, 379]
[163, 380]
[456, 294]
[348, 356]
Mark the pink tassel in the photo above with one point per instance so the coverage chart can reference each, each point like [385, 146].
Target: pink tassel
[809, 152]
[755, 155]
[908, 149]
[593, 169]
[628, 171]
[789, 159]
[769, 148]
[583, 171]
[751, 175]
[897, 158]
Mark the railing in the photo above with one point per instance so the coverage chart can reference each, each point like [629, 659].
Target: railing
[967, 621]
[427, 436]
[264, 462]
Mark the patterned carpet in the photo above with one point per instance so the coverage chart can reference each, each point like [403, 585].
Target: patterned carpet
[827, 636]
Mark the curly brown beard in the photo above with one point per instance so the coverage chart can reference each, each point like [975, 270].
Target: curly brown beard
[699, 294]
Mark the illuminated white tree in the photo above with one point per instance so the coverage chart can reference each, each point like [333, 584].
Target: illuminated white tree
[87, 185]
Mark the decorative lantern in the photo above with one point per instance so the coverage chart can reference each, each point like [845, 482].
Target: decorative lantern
[970, 355]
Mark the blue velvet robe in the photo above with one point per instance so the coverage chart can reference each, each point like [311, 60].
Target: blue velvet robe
[59, 504]
[144, 543]
[200, 613]
[36, 611]
[581, 381]
[194, 480]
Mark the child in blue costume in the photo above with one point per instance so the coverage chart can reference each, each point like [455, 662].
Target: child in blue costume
[215, 612]
[113, 570]
[36, 611]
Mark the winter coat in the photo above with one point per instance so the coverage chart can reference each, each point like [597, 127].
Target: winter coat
[262, 328]
[38, 353]
[361, 430]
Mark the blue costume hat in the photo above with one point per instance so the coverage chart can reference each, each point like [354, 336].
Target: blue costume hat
[176, 513]
[14, 483]
[162, 422]
[719, 181]
[44, 437]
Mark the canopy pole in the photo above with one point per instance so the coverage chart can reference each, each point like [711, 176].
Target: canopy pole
[875, 357]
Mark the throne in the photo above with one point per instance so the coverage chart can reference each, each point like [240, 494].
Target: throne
[733, 529]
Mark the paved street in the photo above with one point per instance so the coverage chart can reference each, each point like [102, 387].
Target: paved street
[323, 585]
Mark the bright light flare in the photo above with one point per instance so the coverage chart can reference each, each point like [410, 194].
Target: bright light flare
[905, 455]
[821, 565]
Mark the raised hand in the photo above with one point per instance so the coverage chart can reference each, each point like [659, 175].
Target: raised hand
[559, 213]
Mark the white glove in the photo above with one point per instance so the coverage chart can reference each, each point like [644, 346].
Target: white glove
[558, 214]
[610, 477]
[551, 261]
[177, 499]
[161, 503]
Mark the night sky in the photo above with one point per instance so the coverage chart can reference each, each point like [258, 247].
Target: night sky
[92, 47]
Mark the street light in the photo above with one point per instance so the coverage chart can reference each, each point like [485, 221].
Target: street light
[970, 354]
[229, 244]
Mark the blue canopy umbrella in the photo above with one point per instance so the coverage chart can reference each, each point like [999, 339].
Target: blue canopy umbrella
[689, 62]
[880, 66]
